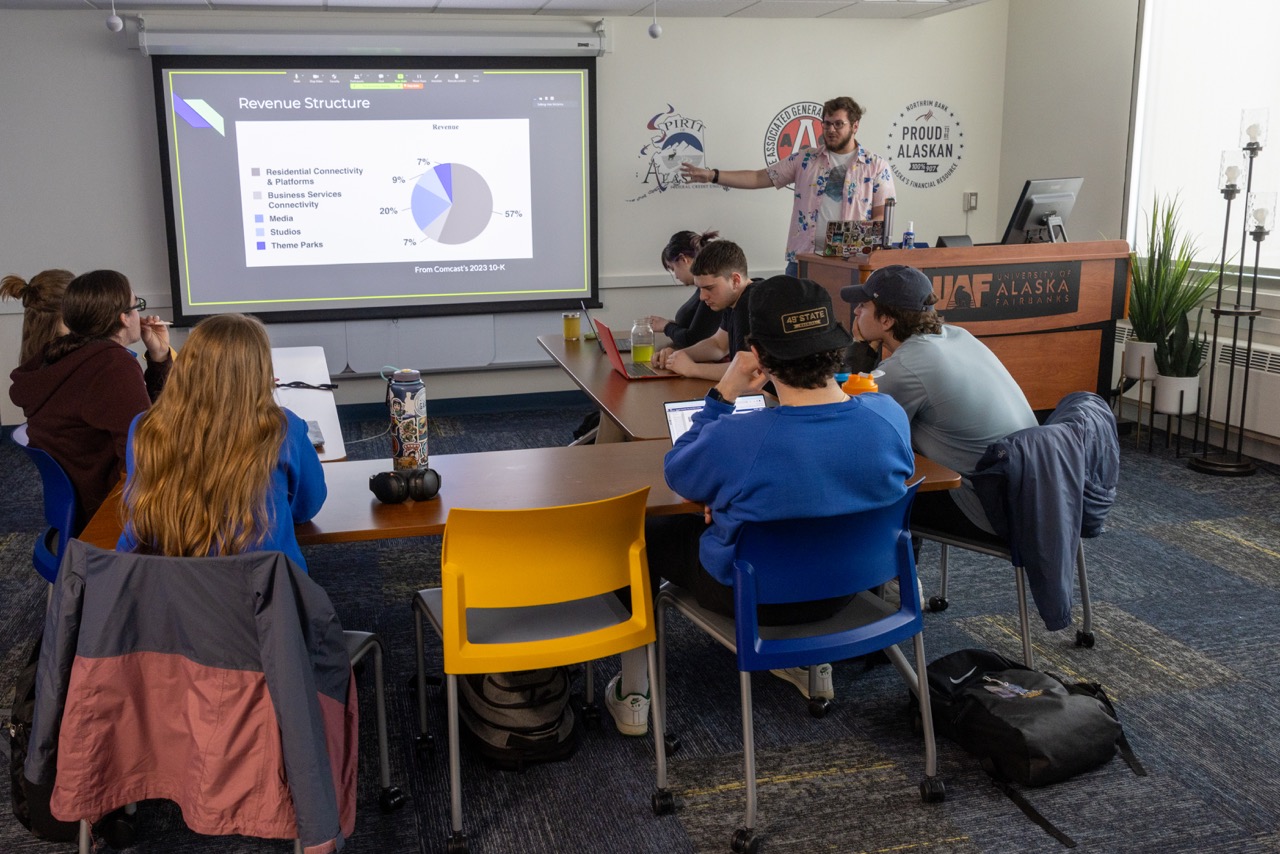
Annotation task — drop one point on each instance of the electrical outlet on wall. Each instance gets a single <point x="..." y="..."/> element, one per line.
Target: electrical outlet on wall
<point x="970" y="201"/>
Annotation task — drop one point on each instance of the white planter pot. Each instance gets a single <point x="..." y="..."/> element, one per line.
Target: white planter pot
<point x="1140" y="360"/>
<point x="1171" y="390"/>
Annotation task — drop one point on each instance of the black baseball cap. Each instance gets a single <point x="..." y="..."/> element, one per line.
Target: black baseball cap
<point x="792" y="318"/>
<point x="897" y="285"/>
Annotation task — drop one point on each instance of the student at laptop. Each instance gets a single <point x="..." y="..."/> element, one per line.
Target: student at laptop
<point x="797" y="460"/>
<point x="694" y="320"/>
<point x="720" y="274"/>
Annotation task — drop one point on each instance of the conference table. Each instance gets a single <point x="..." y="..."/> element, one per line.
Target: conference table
<point x="533" y="477"/>
<point x="630" y="410"/>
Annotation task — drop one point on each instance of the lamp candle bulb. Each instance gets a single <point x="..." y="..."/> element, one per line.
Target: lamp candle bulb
<point x="1253" y="131"/>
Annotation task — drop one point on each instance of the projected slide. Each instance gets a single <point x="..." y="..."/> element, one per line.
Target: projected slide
<point x="377" y="187"/>
<point x="358" y="193"/>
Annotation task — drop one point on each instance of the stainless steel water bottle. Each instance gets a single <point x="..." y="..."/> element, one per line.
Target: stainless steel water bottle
<point x="407" y="404"/>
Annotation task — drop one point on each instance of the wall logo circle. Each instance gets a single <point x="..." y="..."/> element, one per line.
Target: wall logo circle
<point x="794" y="127"/>
<point x="926" y="144"/>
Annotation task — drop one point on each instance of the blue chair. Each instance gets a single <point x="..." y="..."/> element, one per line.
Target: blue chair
<point x="61" y="510"/>
<point x="800" y="560"/>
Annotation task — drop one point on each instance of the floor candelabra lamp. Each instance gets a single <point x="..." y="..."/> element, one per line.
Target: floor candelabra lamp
<point x="1260" y="213"/>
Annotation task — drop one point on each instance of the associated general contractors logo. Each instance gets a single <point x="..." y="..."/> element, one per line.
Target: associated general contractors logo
<point x="795" y="127"/>
<point x="1006" y="291"/>
<point x="674" y="139"/>
<point x="925" y="144"/>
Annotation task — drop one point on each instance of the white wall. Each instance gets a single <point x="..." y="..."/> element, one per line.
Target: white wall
<point x="81" y="172"/>
<point x="1067" y="94"/>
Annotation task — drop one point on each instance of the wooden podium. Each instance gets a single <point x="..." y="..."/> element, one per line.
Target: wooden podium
<point x="1047" y="310"/>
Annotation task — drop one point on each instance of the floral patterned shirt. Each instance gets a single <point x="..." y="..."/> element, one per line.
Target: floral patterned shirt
<point x="867" y="184"/>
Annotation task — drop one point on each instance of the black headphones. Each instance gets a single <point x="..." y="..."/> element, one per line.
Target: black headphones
<point x="393" y="487"/>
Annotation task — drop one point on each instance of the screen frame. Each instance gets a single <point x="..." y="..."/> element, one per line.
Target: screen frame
<point x="1041" y="197"/>
<point x="160" y="63"/>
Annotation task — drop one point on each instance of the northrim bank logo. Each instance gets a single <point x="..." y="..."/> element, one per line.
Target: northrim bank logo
<point x="673" y="139"/>
<point x="793" y="128"/>
<point x="926" y="144"/>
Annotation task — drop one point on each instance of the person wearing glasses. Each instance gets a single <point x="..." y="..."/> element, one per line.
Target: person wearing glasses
<point x="80" y="395"/>
<point x="836" y="181"/>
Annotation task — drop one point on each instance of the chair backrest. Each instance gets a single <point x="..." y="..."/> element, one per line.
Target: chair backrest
<point x="173" y="655"/>
<point x="61" y="509"/>
<point x="799" y="560"/>
<point x="543" y="557"/>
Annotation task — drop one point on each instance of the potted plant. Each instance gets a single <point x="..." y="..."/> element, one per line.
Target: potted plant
<point x="1164" y="287"/>
<point x="1179" y="359"/>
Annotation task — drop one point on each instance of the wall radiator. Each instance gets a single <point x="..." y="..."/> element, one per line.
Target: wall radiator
<point x="1263" y="415"/>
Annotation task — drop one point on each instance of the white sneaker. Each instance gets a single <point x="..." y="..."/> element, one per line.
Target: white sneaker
<point x="630" y="713"/>
<point x="799" y="677"/>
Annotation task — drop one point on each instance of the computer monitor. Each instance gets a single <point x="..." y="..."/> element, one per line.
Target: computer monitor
<point x="1040" y="216"/>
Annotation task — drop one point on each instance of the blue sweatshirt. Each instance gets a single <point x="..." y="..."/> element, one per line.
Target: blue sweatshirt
<point x="296" y="493"/>
<point x="786" y="463"/>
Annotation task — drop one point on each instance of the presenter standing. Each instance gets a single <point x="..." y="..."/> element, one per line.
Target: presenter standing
<point x="836" y="181"/>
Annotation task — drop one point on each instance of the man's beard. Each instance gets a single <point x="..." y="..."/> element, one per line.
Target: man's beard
<point x="843" y="143"/>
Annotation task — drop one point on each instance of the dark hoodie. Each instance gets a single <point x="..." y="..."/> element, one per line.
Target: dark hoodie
<point x="78" y="410"/>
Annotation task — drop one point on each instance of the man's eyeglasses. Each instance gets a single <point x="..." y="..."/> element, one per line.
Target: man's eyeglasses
<point x="140" y="305"/>
<point x="835" y="125"/>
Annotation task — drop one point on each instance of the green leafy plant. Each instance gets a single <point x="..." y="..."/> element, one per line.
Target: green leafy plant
<point x="1165" y="287"/>
<point x="1182" y="354"/>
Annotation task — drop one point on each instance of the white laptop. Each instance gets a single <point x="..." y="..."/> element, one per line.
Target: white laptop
<point x="680" y="412"/>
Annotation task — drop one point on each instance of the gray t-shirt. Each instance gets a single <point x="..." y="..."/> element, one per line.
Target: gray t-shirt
<point x="959" y="399"/>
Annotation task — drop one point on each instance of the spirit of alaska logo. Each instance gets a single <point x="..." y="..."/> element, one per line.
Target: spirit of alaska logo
<point x="926" y="144"/>
<point x="674" y="139"/>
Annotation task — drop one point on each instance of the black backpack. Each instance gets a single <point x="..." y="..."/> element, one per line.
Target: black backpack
<point x="31" y="802"/>
<point x="520" y="718"/>
<point x="1025" y="726"/>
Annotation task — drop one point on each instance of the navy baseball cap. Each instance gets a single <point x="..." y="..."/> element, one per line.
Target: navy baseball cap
<point x="897" y="285"/>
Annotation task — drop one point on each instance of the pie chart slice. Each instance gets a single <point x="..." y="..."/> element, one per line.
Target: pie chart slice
<point x="452" y="203"/>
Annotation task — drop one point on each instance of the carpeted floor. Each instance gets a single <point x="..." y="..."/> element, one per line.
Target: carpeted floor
<point x="1186" y="588"/>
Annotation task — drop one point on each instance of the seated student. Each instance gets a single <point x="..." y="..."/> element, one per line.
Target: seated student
<point x="958" y="395"/>
<point x="41" y="308"/>
<point x="793" y="461"/>
<point x="720" y="274"/>
<point x="81" y="394"/>
<point x="694" y="320"/>
<point x="217" y="467"/>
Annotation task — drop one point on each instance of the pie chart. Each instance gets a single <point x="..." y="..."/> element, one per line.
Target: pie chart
<point x="451" y="203"/>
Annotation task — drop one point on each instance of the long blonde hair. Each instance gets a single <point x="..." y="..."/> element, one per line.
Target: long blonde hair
<point x="205" y="451"/>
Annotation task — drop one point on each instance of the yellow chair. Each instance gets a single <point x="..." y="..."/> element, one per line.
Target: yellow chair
<point x="526" y="589"/>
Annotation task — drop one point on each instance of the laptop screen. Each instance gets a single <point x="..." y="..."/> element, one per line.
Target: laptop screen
<point x="680" y="412"/>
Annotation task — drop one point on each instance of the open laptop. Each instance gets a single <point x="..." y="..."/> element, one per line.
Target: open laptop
<point x="680" y="412"/>
<point x="624" y="344"/>
<point x="627" y="368"/>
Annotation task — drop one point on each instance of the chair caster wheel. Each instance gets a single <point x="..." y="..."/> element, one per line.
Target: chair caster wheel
<point x="664" y="803"/>
<point x="932" y="790"/>
<point x="457" y="844"/>
<point x="591" y="717"/>
<point x="1084" y="639"/>
<point x="745" y="841"/>
<point x="938" y="603"/>
<point x="117" y="830"/>
<point x="671" y="743"/>
<point x="425" y="743"/>
<point x="819" y="708"/>
<point x="391" y="799"/>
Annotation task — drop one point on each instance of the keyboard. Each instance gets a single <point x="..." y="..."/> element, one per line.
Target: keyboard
<point x="635" y="369"/>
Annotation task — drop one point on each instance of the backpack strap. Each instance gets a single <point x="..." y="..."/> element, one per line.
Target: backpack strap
<point x="1122" y="743"/>
<point x="1023" y="804"/>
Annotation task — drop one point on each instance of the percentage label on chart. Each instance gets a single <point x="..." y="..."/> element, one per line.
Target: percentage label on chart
<point x="510" y="214"/>
<point x="387" y="211"/>
<point x="423" y="161"/>
<point x="408" y="241"/>
<point x="396" y="179"/>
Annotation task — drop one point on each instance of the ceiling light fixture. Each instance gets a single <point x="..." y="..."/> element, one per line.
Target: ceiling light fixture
<point x="115" y="23"/>
<point x="655" y="29"/>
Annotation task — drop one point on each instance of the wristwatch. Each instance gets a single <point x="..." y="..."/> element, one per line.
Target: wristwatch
<point x="715" y="395"/>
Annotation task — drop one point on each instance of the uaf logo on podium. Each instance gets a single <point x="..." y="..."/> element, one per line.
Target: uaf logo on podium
<point x="925" y="144"/>
<point x="793" y="128"/>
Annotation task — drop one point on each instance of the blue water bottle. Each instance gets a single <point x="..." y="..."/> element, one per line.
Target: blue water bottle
<point x="407" y="404"/>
